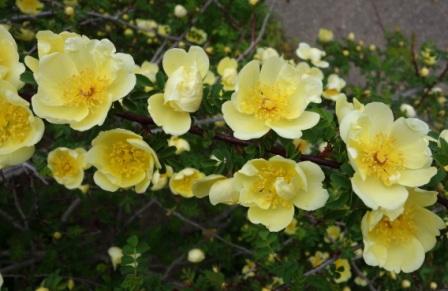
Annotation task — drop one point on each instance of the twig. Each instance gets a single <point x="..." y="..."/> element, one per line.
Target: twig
<point x="260" y="35"/>
<point x="11" y="220"/>
<point x="145" y="121"/>
<point x="35" y="172"/>
<point x="19" y="208"/>
<point x="20" y="265"/>
<point x="27" y="17"/>
<point x="75" y="203"/>
<point x="203" y="229"/>
<point x="139" y="212"/>
<point x="321" y="266"/>
<point x="378" y="16"/>
<point x="414" y="55"/>
<point x="360" y="274"/>
<point x="173" y="264"/>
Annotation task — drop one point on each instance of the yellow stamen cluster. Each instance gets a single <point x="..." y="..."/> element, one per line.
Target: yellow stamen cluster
<point x="86" y="88"/>
<point x="64" y="165"/>
<point x="128" y="160"/>
<point x="265" y="185"/>
<point x="268" y="102"/>
<point x="14" y="123"/>
<point x="379" y="157"/>
<point x="397" y="230"/>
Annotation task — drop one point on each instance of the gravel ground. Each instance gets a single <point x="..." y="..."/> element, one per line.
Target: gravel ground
<point x="428" y="19"/>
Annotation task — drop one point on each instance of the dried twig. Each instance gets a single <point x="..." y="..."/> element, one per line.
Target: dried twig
<point x="75" y="203"/>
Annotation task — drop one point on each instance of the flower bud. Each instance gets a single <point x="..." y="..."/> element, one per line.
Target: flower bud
<point x="196" y="256"/>
<point x="180" y="11"/>
<point x="115" y="254"/>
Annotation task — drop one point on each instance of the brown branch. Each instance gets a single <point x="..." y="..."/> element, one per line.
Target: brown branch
<point x="414" y="55"/>
<point x="146" y="121"/>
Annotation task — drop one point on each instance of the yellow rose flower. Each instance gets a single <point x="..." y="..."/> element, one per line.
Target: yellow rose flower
<point x="332" y="233"/>
<point x="318" y="258"/>
<point x="183" y="90"/>
<point x="20" y="130"/>
<point x="314" y="55"/>
<point x="210" y="78"/>
<point x="387" y="155"/>
<point x="159" y="180"/>
<point x="31" y="7"/>
<point x="306" y="70"/>
<point x="67" y="166"/>
<point x="274" y="97"/>
<point x="334" y="86"/>
<point x="227" y="69"/>
<point x="264" y="53"/>
<point x="196" y="36"/>
<point x="344" y="274"/>
<point x="325" y="35"/>
<point x="123" y="160"/>
<point x="181" y="183"/>
<point x="271" y="189"/>
<point x="180" y="144"/>
<point x="10" y="67"/>
<point x="149" y="70"/>
<point x="398" y="240"/>
<point x="79" y="85"/>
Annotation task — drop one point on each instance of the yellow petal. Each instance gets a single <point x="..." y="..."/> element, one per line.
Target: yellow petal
<point x="173" y="122"/>
<point x="17" y="157"/>
<point x="103" y="182"/>
<point x="223" y="191"/>
<point x="293" y="128"/>
<point x="201" y="188"/>
<point x="274" y="219"/>
<point x="244" y="126"/>
<point x="375" y="194"/>
<point x="416" y="178"/>
<point x="173" y="59"/>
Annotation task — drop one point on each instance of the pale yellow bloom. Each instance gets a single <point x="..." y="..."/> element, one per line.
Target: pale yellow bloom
<point x="433" y="285"/>
<point x="292" y="227"/>
<point x="264" y="53"/>
<point x="196" y="256"/>
<point x="335" y="84"/>
<point x="344" y="274"/>
<point x="20" y="130"/>
<point x="351" y="36"/>
<point x="253" y="2"/>
<point x="444" y="135"/>
<point x="163" y="30"/>
<point x="116" y="255"/>
<point x="179" y="143"/>
<point x="219" y="189"/>
<point x="325" y="35"/>
<point x="67" y="166"/>
<point x="302" y="145"/>
<point x="10" y="67"/>
<point x="123" y="160"/>
<point x="159" y="181"/>
<point x="408" y="110"/>
<point x="318" y="258"/>
<point x="26" y="34"/>
<point x="147" y="26"/>
<point x="31" y="7"/>
<point x="424" y="72"/>
<point x="210" y="78"/>
<point x="274" y="97"/>
<point x="405" y="284"/>
<point x="271" y="189"/>
<point x="428" y="57"/>
<point x="306" y="70"/>
<point x="181" y="183"/>
<point x="78" y="85"/>
<point x="314" y="55"/>
<point x="398" y="240"/>
<point x="387" y="155"/>
<point x="183" y="90"/>
<point x="69" y="11"/>
<point x="42" y="289"/>
<point x="149" y="70"/>
<point x="180" y="11"/>
<point x="196" y="36"/>
<point x="333" y="233"/>
<point x="249" y="269"/>
<point x="227" y="69"/>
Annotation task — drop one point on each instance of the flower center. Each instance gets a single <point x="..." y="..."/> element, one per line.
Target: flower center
<point x="63" y="165"/>
<point x="265" y="185"/>
<point x="268" y="102"/>
<point x="380" y="157"/>
<point x="86" y="89"/>
<point x="14" y="123"/>
<point x="398" y="230"/>
<point x="128" y="160"/>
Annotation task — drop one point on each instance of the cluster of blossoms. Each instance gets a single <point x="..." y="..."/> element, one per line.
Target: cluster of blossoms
<point x="79" y="79"/>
